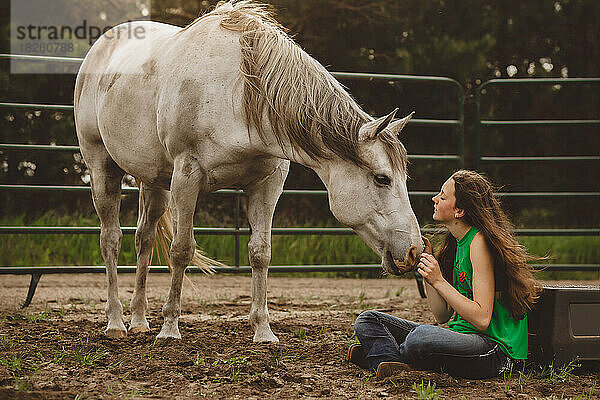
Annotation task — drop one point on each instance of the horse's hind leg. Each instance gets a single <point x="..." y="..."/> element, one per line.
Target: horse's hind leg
<point x="186" y="184"/>
<point x="262" y="200"/>
<point x="106" y="179"/>
<point x="152" y="205"/>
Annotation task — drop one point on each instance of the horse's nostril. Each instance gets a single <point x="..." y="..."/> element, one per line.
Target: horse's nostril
<point x="411" y="257"/>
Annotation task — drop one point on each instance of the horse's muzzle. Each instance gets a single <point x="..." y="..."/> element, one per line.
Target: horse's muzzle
<point x="410" y="261"/>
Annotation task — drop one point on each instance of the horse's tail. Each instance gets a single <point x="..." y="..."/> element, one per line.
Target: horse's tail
<point x="164" y="237"/>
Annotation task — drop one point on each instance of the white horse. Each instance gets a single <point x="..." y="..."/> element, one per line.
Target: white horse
<point x="228" y="101"/>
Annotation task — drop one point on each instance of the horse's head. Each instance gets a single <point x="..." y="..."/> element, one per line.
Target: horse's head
<point x="373" y="199"/>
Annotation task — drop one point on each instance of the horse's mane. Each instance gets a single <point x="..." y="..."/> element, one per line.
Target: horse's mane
<point x="305" y="105"/>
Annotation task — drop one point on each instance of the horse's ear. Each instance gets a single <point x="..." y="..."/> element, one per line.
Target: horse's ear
<point x="371" y="129"/>
<point x="398" y="125"/>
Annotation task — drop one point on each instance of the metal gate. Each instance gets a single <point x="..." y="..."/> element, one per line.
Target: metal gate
<point x="238" y="229"/>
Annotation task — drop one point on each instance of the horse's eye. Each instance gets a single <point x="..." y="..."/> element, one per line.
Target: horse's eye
<point x="382" y="180"/>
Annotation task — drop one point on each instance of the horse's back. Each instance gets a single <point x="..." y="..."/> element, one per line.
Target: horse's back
<point x="173" y="92"/>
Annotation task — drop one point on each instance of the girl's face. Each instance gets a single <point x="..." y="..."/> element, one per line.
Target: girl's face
<point x="444" y="203"/>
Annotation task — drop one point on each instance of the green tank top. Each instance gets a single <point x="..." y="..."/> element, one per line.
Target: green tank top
<point x="510" y="334"/>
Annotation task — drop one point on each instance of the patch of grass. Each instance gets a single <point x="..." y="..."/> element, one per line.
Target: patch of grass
<point x="348" y="334"/>
<point x="116" y="364"/>
<point x="136" y="393"/>
<point x="353" y="340"/>
<point x="564" y="250"/>
<point x="84" y="354"/>
<point x="279" y="356"/>
<point x="589" y="394"/>
<point x="199" y="361"/>
<point x="560" y="374"/>
<point x="321" y="331"/>
<point x="300" y="333"/>
<point x="524" y="377"/>
<point x="361" y="296"/>
<point x="23" y="384"/>
<point x="61" y="311"/>
<point x="58" y="356"/>
<point x="507" y="376"/>
<point x="6" y="342"/>
<point x="49" y="249"/>
<point x="44" y="315"/>
<point x="13" y="363"/>
<point x="329" y="309"/>
<point x="361" y="300"/>
<point x="366" y="378"/>
<point x="124" y="377"/>
<point x="202" y="302"/>
<point x="88" y="301"/>
<point x="428" y="392"/>
<point x="236" y="365"/>
<point x="400" y="291"/>
<point x="148" y="355"/>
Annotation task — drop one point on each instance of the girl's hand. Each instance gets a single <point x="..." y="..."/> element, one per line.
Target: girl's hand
<point x="429" y="269"/>
<point x="427" y="245"/>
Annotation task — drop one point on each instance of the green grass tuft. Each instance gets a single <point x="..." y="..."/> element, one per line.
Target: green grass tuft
<point x="428" y="392"/>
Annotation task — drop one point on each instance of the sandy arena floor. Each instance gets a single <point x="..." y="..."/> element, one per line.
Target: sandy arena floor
<point x="55" y="349"/>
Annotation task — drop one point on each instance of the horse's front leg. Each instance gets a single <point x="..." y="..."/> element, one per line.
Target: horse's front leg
<point x="262" y="200"/>
<point x="185" y="186"/>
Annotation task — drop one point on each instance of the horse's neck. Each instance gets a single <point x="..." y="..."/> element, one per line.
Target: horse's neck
<point x="287" y="151"/>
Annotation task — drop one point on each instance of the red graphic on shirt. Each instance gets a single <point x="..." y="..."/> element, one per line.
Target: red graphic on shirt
<point x="462" y="276"/>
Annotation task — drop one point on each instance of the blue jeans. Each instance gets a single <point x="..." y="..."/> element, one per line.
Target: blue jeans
<point x="388" y="338"/>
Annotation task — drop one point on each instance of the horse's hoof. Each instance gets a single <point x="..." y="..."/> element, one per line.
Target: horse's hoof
<point x="265" y="338"/>
<point x="116" y="333"/>
<point x="167" y="337"/>
<point x="138" y="329"/>
<point x="169" y="334"/>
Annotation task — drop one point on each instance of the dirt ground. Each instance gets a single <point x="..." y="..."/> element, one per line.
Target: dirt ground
<point x="55" y="349"/>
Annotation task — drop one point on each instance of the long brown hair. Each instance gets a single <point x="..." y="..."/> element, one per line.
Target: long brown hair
<point x="513" y="275"/>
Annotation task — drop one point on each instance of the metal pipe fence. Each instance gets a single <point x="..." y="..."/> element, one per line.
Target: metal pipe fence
<point x="481" y="159"/>
<point x="479" y="123"/>
<point x="237" y="231"/>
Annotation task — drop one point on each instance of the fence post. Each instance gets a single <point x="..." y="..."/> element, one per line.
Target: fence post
<point x="238" y="197"/>
<point x="461" y="127"/>
<point x="478" y="127"/>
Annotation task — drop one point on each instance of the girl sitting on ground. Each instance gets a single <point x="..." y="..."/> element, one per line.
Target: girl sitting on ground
<point x="481" y="276"/>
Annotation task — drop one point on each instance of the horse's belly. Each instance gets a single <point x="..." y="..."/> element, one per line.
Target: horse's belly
<point x="138" y="153"/>
<point x="145" y="167"/>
